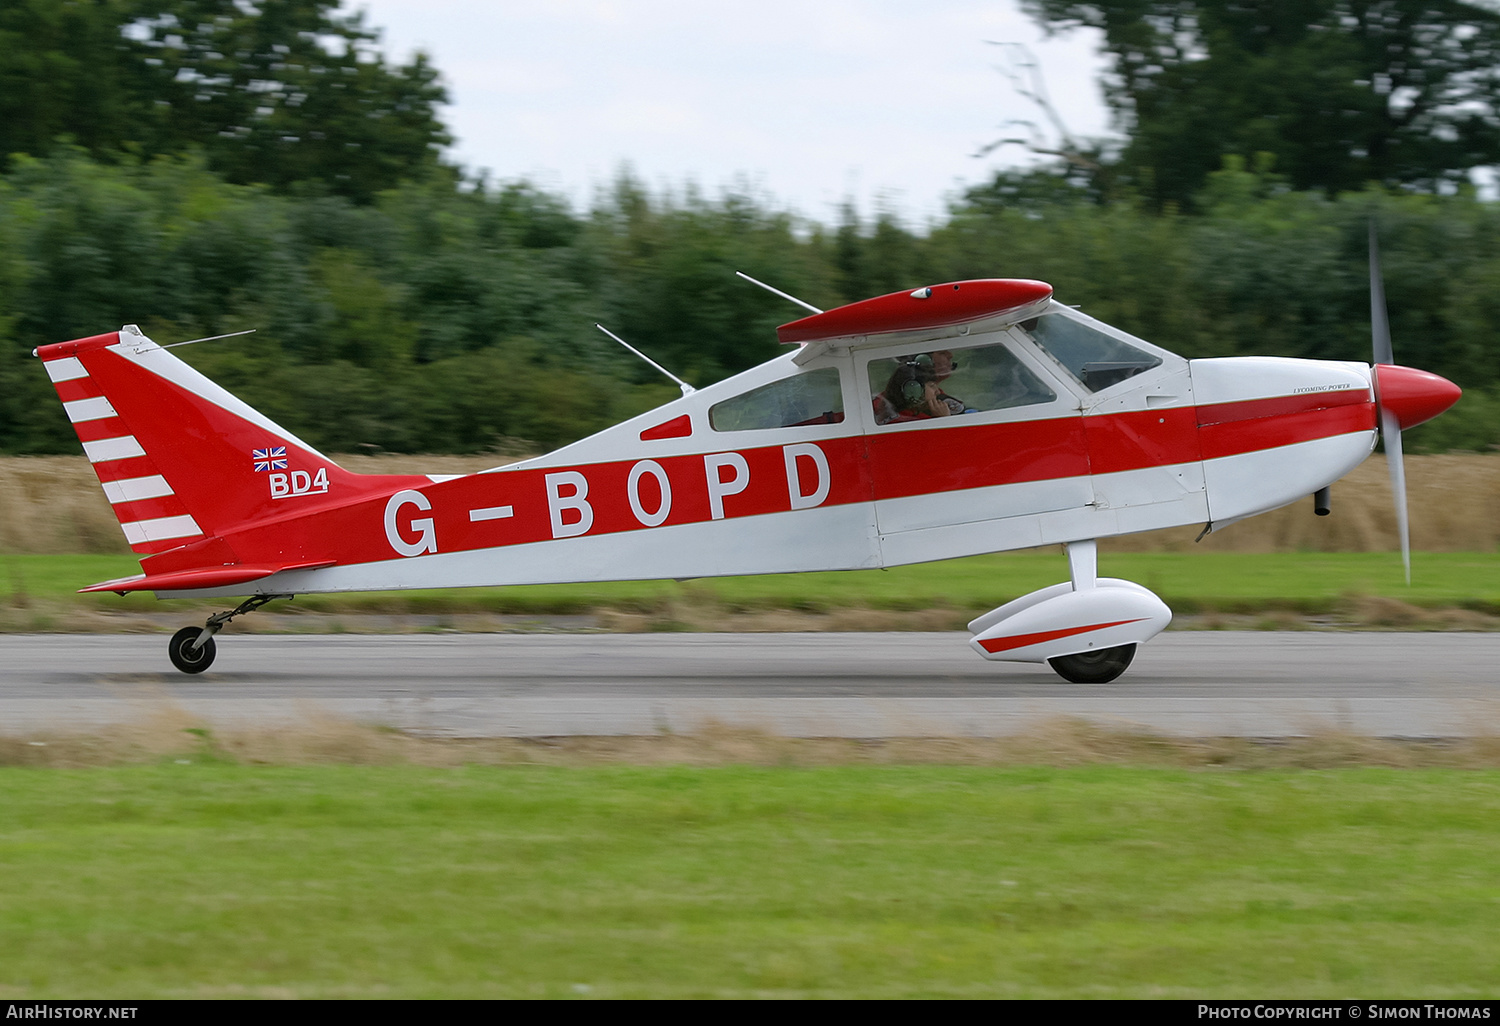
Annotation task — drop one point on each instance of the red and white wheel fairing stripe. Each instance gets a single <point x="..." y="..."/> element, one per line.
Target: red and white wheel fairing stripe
<point x="1009" y="644"/>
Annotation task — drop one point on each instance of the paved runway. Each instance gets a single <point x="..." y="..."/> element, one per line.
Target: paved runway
<point x="850" y="685"/>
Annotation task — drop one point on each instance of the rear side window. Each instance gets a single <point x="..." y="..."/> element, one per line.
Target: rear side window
<point x="813" y="397"/>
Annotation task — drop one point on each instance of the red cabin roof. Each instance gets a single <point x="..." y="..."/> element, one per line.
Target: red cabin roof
<point x="938" y="306"/>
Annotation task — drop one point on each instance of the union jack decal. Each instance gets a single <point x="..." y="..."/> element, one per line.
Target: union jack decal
<point x="273" y="458"/>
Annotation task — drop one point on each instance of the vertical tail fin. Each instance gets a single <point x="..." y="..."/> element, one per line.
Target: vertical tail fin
<point x="180" y="458"/>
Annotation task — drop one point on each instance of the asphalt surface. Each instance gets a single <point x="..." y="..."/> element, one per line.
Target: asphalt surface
<point x="1256" y="684"/>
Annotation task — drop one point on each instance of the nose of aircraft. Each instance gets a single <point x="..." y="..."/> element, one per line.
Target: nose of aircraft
<point x="1412" y="395"/>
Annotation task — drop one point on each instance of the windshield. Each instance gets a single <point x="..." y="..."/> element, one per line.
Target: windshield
<point x="1094" y="358"/>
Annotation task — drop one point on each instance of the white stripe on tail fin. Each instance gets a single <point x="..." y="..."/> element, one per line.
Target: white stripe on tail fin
<point x="182" y="461"/>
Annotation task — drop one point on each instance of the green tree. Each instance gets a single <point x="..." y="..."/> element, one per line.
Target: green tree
<point x="272" y="91"/>
<point x="64" y="71"/>
<point x="1339" y="92"/>
<point x="283" y="91"/>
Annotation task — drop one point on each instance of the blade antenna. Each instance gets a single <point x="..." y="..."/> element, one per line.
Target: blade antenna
<point x="1390" y="425"/>
<point x="783" y="295"/>
<point x="686" y="388"/>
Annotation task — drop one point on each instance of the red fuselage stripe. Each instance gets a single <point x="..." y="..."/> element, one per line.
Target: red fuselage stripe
<point x="1281" y="405"/>
<point x="1233" y="438"/>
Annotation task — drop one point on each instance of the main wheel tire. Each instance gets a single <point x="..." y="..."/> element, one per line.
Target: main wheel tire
<point x="1099" y="667"/>
<point x="180" y="649"/>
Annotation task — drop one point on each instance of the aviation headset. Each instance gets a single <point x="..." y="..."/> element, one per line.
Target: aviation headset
<point x="922" y="371"/>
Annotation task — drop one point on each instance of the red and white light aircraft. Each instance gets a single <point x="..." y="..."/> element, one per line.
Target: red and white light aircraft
<point x="968" y="417"/>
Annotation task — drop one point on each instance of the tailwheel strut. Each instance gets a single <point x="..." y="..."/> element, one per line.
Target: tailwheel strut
<point x="192" y="649"/>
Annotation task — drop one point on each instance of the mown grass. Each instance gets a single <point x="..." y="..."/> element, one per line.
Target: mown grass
<point x="1191" y="582"/>
<point x="211" y="879"/>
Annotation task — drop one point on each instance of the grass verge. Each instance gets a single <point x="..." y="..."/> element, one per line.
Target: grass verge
<point x="208" y="878"/>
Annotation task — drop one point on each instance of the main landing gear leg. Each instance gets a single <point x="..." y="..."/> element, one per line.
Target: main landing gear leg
<point x="1103" y="665"/>
<point x="192" y="648"/>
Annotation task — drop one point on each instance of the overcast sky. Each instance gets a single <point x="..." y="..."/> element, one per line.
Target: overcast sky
<point x="811" y="102"/>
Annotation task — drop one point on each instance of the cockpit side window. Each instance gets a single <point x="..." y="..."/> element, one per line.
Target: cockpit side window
<point x="943" y="383"/>
<point x="1097" y="360"/>
<point x="812" y="397"/>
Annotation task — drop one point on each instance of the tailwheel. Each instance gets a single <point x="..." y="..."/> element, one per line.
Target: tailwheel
<point x="1099" y="667"/>
<point x="190" y="655"/>
<point x="185" y="656"/>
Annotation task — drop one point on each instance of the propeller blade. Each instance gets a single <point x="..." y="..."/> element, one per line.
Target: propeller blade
<point x="1390" y="433"/>
<point x="1380" y="325"/>
<point x="1390" y="423"/>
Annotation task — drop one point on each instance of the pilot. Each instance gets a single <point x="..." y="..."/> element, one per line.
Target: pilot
<point x="912" y="393"/>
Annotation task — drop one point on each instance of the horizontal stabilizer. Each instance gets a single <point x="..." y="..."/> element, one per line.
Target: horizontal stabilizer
<point x="205" y="577"/>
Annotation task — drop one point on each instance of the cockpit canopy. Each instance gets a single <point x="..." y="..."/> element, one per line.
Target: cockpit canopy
<point x="1094" y="358"/>
<point x="1030" y="363"/>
